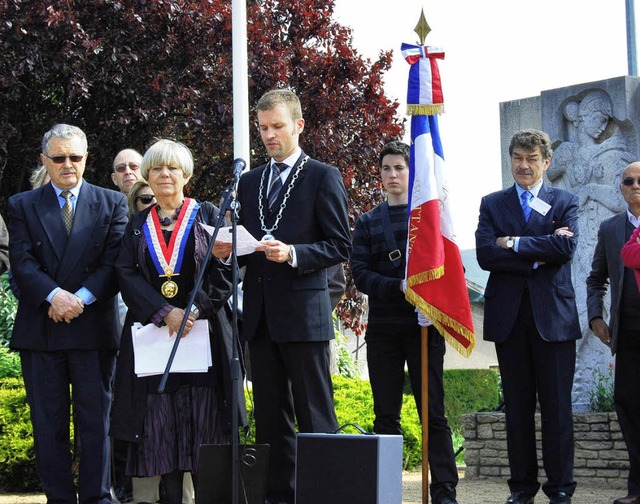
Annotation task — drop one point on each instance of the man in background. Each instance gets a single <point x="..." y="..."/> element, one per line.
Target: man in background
<point x="126" y="169"/>
<point x="393" y="336"/>
<point x="526" y="238"/>
<point x="65" y="238"/>
<point x="622" y="333"/>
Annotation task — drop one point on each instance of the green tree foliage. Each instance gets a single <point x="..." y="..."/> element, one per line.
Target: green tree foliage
<point x="126" y="71"/>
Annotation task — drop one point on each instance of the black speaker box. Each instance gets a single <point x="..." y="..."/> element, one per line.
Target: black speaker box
<point x="345" y="468"/>
<point x="214" y="474"/>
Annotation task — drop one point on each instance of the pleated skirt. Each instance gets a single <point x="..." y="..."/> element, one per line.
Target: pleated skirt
<point x="175" y="426"/>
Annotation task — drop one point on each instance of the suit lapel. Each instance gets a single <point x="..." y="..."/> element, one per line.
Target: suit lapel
<point x="512" y="202"/>
<point x="47" y="208"/>
<point x="619" y="239"/>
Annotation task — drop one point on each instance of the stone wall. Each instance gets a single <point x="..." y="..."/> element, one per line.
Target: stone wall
<point x="600" y="451"/>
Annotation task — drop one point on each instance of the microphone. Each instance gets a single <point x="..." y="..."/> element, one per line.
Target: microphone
<point x="239" y="165"/>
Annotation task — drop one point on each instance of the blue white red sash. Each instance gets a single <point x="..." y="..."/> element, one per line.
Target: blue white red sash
<point x="168" y="258"/>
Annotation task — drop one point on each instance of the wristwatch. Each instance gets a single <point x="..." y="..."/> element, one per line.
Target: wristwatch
<point x="195" y="311"/>
<point x="511" y="242"/>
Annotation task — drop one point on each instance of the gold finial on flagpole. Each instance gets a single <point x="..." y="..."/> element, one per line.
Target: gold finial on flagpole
<point x="422" y="28"/>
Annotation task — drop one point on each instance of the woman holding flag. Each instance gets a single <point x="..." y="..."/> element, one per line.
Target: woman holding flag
<point x="162" y="252"/>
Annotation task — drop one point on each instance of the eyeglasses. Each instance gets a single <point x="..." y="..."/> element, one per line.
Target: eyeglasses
<point x="145" y="198"/>
<point x="123" y="166"/>
<point x="75" y="158"/>
<point x="630" y="181"/>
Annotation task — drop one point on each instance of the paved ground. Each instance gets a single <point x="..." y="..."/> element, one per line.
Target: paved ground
<point x="483" y="491"/>
<point x="470" y="491"/>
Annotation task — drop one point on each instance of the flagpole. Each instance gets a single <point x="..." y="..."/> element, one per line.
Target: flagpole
<point x="241" y="151"/>
<point x="425" y="414"/>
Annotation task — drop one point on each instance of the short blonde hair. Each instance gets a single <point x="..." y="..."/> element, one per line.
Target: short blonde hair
<point x="167" y="152"/>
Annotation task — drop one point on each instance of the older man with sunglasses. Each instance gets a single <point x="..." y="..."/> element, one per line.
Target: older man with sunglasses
<point x="64" y="241"/>
<point x="622" y="332"/>
<point x="126" y="169"/>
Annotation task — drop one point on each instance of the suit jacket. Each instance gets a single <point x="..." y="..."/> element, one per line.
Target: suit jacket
<point x="315" y="222"/>
<point x="549" y="285"/>
<point x="607" y="270"/>
<point x="44" y="257"/>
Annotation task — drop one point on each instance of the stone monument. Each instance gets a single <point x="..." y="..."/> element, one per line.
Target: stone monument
<point x="594" y="138"/>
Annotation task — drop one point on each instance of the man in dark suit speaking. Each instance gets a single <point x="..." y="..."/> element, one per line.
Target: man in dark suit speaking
<point x="526" y="238"/>
<point x="297" y="207"/>
<point x="64" y="240"/>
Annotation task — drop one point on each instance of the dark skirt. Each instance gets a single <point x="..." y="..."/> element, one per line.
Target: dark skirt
<point x="175" y="426"/>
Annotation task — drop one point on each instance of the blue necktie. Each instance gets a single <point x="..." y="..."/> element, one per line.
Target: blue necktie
<point x="276" y="182"/>
<point x="526" y="197"/>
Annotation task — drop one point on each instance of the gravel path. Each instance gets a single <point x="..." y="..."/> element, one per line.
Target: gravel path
<point x="470" y="491"/>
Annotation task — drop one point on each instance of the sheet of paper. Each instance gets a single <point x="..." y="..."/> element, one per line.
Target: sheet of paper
<point x="152" y="348"/>
<point x="246" y="243"/>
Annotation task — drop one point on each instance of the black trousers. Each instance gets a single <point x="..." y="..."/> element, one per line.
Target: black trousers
<point x="627" y="384"/>
<point x="291" y="383"/>
<point x="388" y="349"/>
<point x="47" y="376"/>
<point x="529" y="366"/>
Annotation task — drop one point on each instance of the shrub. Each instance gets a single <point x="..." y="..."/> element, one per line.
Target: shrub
<point x="17" y="464"/>
<point x="9" y="364"/>
<point x="601" y="396"/>
<point x="354" y="405"/>
<point x="8" y="308"/>
<point x="469" y="391"/>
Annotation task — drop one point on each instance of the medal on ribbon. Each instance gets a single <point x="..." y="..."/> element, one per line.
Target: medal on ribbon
<point x="168" y="258"/>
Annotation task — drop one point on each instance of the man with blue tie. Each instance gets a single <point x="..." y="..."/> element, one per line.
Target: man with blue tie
<point x="526" y="238"/>
<point x="64" y="241"/>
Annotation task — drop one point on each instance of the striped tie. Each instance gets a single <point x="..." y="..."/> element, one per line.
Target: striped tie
<point x="67" y="210"/>
<point x="526" y="209"/>
<point x="276" y="182"/>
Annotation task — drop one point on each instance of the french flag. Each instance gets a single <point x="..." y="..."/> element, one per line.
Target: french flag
<point x="435" y="274"/>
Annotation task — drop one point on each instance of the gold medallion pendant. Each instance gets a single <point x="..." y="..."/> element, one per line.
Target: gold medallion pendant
<point x="169" y="289"/>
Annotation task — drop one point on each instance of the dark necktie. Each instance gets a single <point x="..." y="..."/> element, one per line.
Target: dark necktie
<point x="526" y="197"/>
<point x="276" y="182"/>
<point x="67" y="210"/>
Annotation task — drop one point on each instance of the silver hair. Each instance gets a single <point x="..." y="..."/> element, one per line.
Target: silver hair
<point x="64" y="131"/>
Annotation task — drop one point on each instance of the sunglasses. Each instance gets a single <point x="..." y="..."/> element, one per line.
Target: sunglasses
<point x="123" y="166"/>
<point x="145" y="198"/>
<point x="630" y="181"/>
<point x="61" y="159"/>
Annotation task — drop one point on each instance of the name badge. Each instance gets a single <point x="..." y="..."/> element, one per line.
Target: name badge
<point x="540" y="206"/>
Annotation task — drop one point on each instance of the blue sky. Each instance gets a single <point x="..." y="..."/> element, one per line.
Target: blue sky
<point x="496" y="51"/>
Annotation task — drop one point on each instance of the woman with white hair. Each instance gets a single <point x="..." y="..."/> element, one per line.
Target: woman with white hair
<point x="163" y="249"/>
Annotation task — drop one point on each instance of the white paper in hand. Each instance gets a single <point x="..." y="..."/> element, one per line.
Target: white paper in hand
<point x="246" y="243"/>
<point x="152" y="347"/>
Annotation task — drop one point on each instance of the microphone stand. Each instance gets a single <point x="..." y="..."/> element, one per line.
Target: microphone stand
<point x="228" y="205"/>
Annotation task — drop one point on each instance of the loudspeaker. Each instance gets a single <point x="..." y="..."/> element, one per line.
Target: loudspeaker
<point x="341" y="468"/>
<point x="214" y="474"/>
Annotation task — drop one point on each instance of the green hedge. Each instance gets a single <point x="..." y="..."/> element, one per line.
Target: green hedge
<point x="17" y="467"/>
<point x="8" y="308"/>
<point x="466" y="391"/>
